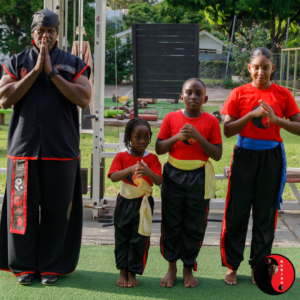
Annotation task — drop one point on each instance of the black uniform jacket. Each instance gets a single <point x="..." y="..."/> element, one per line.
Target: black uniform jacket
<point x="44" y="119"/>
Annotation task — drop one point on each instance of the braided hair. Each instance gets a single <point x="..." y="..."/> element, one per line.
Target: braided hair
<point x="266" y="53"/>
<point x="130" y="127"/>
<point x="190" y="79"/>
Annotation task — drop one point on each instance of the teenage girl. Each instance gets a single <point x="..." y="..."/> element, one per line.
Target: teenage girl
<point x="131" y="247"/>
<point x="256" y="112"/>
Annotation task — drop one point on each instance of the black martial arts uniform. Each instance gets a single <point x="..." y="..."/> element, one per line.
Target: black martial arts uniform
<point x="42" y="171"/>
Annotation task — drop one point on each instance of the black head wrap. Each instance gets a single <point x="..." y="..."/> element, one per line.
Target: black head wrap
<point x="44" y="18"/>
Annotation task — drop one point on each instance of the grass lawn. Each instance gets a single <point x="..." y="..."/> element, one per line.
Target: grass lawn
<point x="292" y="147"/>
<point x="211" y="81"/>
<point x="96" y="275"/>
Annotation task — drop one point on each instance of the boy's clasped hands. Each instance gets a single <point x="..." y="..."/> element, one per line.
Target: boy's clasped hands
<point x="188" y="131"/>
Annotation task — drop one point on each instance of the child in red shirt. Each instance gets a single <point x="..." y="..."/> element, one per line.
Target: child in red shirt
<point x="131" y="248"/>
<point x="190" y="136"/>
<point x="255" y="112"/>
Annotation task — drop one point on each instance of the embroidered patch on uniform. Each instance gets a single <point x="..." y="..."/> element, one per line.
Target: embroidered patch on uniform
<point x="65" y="68"/>
<point x="19" y="196"/>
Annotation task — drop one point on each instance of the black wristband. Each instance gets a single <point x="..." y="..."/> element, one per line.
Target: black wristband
<point x="54" y="72"/>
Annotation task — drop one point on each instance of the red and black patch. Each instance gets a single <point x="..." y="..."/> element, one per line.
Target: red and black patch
<point x="19" y="196"/>
<point x="189" y="142"/>
<point x="263" y="122"/>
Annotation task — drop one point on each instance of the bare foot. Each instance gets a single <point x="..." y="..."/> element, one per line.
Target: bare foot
<point x="132" y="281"/>
<point x="188" y="278"/>
<point x="170" y="277"/>
<point x="123" y="279"/>
<point x="252" y="275"/>
<point x="230" y="277"/>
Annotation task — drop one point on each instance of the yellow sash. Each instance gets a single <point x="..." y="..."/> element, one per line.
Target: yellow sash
<point x="189" y="165"/>
<point x="143" y="188"/>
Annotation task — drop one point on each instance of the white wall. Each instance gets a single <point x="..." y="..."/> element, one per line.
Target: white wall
<point x="205" y="42"/>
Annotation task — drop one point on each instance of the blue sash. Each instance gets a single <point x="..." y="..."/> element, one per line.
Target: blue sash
<point x="253" y="144"/>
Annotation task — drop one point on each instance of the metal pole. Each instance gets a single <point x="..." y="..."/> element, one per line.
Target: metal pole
<point x="61" y="20"/>
<point x="80" y="25"/>
<point x="229" y="51"/>
<point x="99" y="77"/>
<point x="286" y="40"/>
<point x="74" y="19"/>
<point x="66" y="25"/>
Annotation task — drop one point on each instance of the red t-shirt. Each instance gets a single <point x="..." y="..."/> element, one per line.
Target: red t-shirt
<point x="124" y="160"/>
<point x="244" y="99"/>
<point x="206" y="124"/>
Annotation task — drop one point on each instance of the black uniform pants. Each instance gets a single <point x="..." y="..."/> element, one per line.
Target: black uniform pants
<point x="254" y="183"/>
<point x="184" y="214"/>
<point x="50" y="244"/>
<point x="131" y="248"/>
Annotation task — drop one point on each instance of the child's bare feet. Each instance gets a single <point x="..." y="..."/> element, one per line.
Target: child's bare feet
<point x="252" y="275"/>
<point x="170" y="277"/>
<point x="188" y="278"/>
<point x="230" y="277"/>
<point x="123" y="279"/>
<point x="132" y="281"/>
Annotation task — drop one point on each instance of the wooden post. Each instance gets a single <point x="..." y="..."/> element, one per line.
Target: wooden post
<point x="288" y="69"/>
<point x="281" y="67"/>
<point x="295" y="72"/>
<point x="134" y="74"/>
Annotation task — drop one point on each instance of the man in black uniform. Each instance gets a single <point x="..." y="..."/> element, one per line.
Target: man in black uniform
<point x="45" y="85"/>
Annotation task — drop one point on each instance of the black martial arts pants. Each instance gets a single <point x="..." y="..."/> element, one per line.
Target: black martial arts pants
<point x="131" y="248"/>
<point x="254" y="183"/>
<point x="46" y="244"/>
<point x="184" y="215"/>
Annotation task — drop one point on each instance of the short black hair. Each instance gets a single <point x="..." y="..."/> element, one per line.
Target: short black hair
<point x="266" y="53"/>
<point x="196" y="79"/>
<point x="130" y="127"/>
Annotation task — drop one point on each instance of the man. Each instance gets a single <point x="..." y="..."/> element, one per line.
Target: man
<point x="45" y="85"/>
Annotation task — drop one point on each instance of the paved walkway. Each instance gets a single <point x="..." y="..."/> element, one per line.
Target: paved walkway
<point x="287" y="232"/>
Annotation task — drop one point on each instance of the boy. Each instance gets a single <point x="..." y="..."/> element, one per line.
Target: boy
<point x="190" y="136"/>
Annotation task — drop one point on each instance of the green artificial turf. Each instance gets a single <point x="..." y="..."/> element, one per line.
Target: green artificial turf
<point x="96" y="275"/>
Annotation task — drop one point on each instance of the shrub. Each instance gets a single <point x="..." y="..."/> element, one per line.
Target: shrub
<point x="229" y="84"/>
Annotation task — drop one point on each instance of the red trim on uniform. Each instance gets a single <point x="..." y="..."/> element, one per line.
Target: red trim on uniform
<point x="222" y="242"/>
<point x="79" y="73"/>
<point x="60" y="159"/>
<point x="9" y="73"/>
<point x="24" y="200"/>
<point x="162" y="235"/>
<point x="23" y="273"/>
<point x="276" y="218"/>
<point x="145" y="255"/>
<point x="195" y="267"/>
<point x="21" y="157"/>
<point x="50" y="273"/>
<point x="7" y="270"/>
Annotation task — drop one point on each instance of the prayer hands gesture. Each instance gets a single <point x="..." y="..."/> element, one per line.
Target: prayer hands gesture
<point x="268" y="111"/>
<point x="142" y="169"/>
<point x="189" y="131"/>
<point x="44" y="61"/>
<point x="258" y="112"/>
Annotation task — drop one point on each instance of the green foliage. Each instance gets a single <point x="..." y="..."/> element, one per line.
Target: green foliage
<point x="229" y="84"/>
<point x="124" y="58"/>
<point x="15" y="19"/>
<point x="163" y="13"/>
<point x="215" y="69"/>
<point x="249" y="39"/>
<point x="124" y="4"/>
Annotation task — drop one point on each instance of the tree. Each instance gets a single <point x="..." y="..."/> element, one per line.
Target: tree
<point x="163" y="13"/>
<point x="124" y="4"/>
<point x="222" y="13"/>
<point x="15" y="20"/>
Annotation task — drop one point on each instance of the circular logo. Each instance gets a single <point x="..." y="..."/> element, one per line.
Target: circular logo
<point x="274" y="274"/>
<point x="262" y="122"/>
<point x="17" y="201"/>
<point x="189" y="141"/>
<point x="19" y="221"/>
